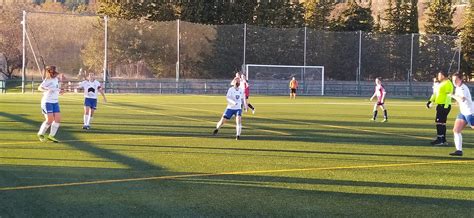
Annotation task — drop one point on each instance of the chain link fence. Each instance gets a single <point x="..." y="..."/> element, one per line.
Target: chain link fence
<point x="183" y="57"/>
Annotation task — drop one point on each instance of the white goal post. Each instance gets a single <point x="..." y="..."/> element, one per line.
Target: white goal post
<point x="313" y="69"/>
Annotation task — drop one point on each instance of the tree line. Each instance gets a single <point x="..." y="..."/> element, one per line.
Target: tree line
<point x="212" y="48"/>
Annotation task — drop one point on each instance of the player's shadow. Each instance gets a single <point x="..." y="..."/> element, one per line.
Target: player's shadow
<point x="65" y="133"/>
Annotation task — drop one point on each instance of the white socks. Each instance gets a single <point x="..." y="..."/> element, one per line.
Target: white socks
<point x="238" y="129"/>
<point x="458" y="141"/>
<point x="54" y="129"/>
<point x="87" y="120"/>
<point x="44" y="127"/>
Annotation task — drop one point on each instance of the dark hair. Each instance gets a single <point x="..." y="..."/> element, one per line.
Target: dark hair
<point x="445" y="74"/>
<point x="50" y="72"/>
<point x="458" y="75"/>
<point x="379" y="78"/>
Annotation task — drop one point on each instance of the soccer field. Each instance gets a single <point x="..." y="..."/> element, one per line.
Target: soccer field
<point x="154" y="155"/>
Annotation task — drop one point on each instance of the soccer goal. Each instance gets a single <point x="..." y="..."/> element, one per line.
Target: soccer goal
<point x="274" y="79"/>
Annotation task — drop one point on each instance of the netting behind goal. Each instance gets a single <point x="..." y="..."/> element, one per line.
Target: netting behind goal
<point x="274" y="79"/>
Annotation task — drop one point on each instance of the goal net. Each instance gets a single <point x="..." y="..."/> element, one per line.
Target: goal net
<point x="274" y="79"/>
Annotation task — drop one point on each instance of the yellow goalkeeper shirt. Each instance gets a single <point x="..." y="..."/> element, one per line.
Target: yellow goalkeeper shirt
<point x="445" y="88"/>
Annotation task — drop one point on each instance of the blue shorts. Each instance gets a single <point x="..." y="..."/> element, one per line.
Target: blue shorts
<point x="469" y="119"/>
<point x="48" y="108"/>
<point x="91" y="102"/>
<point x="229" y="113"/>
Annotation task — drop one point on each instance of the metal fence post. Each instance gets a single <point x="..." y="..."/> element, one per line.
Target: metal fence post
<point x="360" y="64"/>
<point x="245" y="51"/>
<point x="410" y="73"/>
<point x="304" y="60"/>
<point x="177" y="49"/>
<point x="106" y="20"/>
<point x="23" y="67"/>
<point x="459" y="58"/>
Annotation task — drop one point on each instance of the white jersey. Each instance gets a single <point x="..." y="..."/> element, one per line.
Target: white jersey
<point x="51" y="95"/>
<point x="465" y="106"/>
<point x="91" y="89"/>
<point x="235" y="98"/>
<point x="435" y="87"/>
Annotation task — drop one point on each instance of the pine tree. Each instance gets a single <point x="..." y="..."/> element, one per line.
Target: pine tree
<point x="467" y="42"/>
<point x="440" y="18"/>
<point x="357" y="18"/>
<point x="317" y="14"/>
<point x="401" y="17"/>
<point x="413" y="25"/>
<point x="436" y="46"/>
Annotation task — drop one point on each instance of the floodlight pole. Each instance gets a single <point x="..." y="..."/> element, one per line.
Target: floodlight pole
<point x="23" y="67"/>
<point x="106" y="20"/>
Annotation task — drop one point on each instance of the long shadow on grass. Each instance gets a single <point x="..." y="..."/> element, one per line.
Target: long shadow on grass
<point x="251" y="179"/>
<point x="66" y="133"/>
<point x="291" y="151"/>
<point x="135" y="106"/>
<point x="347" y="124"/>
<point x="228" y="195"/>
<point x="265" y="133"/>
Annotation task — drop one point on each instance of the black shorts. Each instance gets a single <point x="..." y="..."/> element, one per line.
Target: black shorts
<point x="442" y="113"/>
<point x="293" y="91"/>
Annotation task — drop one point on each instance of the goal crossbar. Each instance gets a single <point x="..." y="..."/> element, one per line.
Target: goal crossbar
<point x="288" y="66"/>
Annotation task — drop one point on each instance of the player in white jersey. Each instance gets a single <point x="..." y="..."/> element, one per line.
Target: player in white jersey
<point x="91" y="88"/>
<point x="380" y="94"/>
<point x="466" y="115"/>
<point x="50" y="104"/>
<point x="235" y="100"/>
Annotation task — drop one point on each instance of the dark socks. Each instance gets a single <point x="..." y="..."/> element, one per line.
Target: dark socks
<point x="441" y="132"/>
<point x="375" y="115"/>
<point x="251" y="106"/>
<point x="385" y="116"/>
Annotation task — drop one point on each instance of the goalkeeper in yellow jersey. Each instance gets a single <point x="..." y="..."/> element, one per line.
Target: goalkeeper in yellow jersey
<point x="442" y="100"/>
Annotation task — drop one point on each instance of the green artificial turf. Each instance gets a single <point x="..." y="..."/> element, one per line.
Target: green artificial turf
<point x="154" y="155"/>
